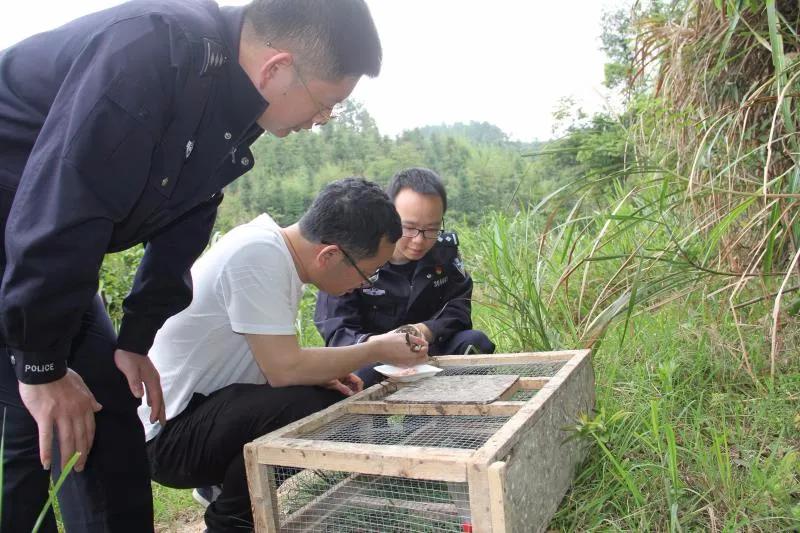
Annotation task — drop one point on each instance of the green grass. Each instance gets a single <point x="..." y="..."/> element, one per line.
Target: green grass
<point x="51" y="500"/>
<point x="174" y="507"/>
<point x="683" y="439"/>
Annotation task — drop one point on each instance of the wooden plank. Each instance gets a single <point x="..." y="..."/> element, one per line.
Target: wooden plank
<point x="263" y="494"/>
<point x="533" y="382"/>
<point x="480" y="507"/>
<point x="498" y="446"/>
<point x="454" y="389"/>
<point x="419" y="462"/>
<point x="497" y="490"/>
<point x="434" y="409"/>
<point x="505" y="358"/>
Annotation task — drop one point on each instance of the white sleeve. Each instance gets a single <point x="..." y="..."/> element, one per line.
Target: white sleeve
<point x="256" y="287"/>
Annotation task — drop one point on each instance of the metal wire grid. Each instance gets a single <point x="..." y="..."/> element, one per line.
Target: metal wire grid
<point x="545" y="368"/>
<point x="344" y="502"/>
<point x="523" y="395"/>
<point x="441" y="431"/>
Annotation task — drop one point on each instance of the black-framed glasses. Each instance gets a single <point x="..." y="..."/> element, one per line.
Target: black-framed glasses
<point x="430" y="234"/>
<point x="369" y="281"/>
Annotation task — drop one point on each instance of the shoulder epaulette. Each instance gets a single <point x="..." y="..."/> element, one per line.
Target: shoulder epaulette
<point x="449" y="238"/>
<point x="214" y="57"/>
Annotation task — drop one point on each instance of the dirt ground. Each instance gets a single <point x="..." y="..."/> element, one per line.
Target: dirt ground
<point x="190" y="521"/>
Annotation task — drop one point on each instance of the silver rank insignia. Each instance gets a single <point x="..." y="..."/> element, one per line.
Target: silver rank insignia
<point x="189" y="148"/>
<point x="449" y="238"/>
<point x="214" y="57"/>
<point x="459" y="264"/>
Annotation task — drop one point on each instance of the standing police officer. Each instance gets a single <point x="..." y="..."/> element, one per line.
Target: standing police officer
<point x="117" y="129"/>
<point x="424" y="284"/>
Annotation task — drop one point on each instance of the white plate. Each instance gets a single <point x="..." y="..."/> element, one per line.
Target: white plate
<point x="396" y="373"/>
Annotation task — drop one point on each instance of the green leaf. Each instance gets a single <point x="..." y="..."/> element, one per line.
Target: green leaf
<point x="52" y="492"/>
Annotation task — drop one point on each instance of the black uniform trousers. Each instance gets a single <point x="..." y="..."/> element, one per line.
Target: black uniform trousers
<point x="203" y="445"/>
<point x="455" y="345"/>
<point x="113" y="493"/>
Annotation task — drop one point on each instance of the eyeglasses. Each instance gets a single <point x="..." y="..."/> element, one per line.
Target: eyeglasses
<point x="431" y="234"/>
<point x="369" y="281"/>
<point x="327" y="113"/>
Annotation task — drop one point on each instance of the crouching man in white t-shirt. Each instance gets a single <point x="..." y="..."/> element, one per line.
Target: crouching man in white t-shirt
<point x="230" y="364"/>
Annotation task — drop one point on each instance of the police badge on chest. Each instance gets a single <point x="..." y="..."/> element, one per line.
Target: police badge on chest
<point x="373" y="291"/>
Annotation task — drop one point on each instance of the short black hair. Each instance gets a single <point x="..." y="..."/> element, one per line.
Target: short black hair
<point x="354" y="214"/>
<point x="333" y="39"/>
<point x="420" y="180"/>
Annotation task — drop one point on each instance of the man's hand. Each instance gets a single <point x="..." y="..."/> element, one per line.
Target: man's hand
<point x="418" y="330"/>
<point x="425" y="331"/>
<point x="68" y="404"/>
<point x="139" y="369"/>
<point x="392" y="348"/>
<point x="347" y="385"/>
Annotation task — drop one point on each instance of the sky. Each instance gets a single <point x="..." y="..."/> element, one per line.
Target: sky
<point x="445" y="61"/>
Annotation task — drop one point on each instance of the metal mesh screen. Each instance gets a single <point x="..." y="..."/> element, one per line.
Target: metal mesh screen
<point x="344" y="502"/>
<point x="523" y="395"/>
<point x="545" y="369"/>
<point x="465" y="432"/>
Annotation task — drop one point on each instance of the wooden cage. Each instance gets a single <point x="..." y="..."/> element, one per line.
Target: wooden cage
<point x="374" y="462"/>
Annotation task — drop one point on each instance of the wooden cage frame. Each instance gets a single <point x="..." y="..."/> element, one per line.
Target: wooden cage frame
<point x="515" y="480"/>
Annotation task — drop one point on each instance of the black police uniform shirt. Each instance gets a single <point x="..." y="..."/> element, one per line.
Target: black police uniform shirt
<point x="435" y="291"/>
<point x="119" y="128"/>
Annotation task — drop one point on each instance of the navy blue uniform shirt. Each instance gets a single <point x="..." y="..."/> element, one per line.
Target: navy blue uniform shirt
<point x="117" y="129"/>
<point x="436" y="293"/>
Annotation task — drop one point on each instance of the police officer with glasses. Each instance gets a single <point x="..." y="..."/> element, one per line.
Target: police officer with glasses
<point x="424" y="288"/>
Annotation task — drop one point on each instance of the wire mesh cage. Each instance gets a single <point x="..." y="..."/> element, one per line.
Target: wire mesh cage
<point x="544" y="368"/>
<point x="522" y="395"/>
<point x="385" y="461"/>
<point x="345" y="502"/>
<point x="463" y="432"/>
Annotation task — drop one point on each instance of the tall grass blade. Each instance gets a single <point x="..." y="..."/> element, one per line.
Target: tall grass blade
<point x="56" y="487"/>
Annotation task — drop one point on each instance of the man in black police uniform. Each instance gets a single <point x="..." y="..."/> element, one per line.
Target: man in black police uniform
<point x="117" y="129"/>
<point x="423" y="285"/>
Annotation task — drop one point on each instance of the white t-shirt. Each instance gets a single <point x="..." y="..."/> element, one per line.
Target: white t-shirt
<point x="246" y="283"/>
